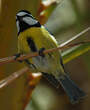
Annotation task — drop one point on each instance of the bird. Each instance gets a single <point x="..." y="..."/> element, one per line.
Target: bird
<point x="34" y="37"/>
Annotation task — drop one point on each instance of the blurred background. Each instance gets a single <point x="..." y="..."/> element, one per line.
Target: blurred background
<point x="66" y="19"/>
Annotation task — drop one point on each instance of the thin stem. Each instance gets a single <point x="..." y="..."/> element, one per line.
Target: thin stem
<point x="76" y="36"/>
<point x="8" y="80"/>
<point x="23" y="57"/>
<point x="19" y="73"/>
<point x="12" y="77"/>
<point x="62" y="46"/>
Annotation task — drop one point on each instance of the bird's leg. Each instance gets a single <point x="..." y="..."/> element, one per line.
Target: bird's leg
<point x="17" y="56"/>
<point x="41" y="52"/>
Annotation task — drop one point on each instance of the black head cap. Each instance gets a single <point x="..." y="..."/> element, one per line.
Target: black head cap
<point x="25" y="20"/>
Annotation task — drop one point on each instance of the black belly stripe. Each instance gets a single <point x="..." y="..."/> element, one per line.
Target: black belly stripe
<point x="31" y="44"/>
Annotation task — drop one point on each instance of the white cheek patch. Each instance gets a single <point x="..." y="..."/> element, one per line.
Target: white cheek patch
<point x="29" y="20"/>
<point x="18" y="27"/>
<point x="21" y="13"/>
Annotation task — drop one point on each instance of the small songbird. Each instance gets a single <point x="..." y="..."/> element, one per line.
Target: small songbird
<point x="33" y="37"/>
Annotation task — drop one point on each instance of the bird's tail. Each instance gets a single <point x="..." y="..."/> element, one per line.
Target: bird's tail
<point x="71" y="89"/>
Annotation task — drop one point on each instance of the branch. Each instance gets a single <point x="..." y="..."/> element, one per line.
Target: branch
<point x="62" y="46"/>
<point x="23" y="57"/>
<point x="33" y="81"/>
<point x="76" y="36"/>
<point x="19" y="73"/>
<point x="12" y="77"/>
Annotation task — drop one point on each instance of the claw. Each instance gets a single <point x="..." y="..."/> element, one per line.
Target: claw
<point x="17" y="56"/>
<point x="41" y="52"/>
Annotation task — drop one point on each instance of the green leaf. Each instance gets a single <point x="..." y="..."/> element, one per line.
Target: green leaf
<point x="74" y="52"/>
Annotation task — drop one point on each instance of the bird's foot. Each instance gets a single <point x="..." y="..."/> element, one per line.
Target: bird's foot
<point x="17" y="56"/>
<point x="41" y="52"/>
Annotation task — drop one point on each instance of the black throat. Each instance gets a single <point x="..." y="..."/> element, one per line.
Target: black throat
<point x="23" y="26"/>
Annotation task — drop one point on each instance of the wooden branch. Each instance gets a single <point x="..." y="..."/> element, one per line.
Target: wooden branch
<point x="19" y="73"/>
<point x="62" y="46"/>
<point x="33" y="81"/>
<point x="76" y="36"/>
<point x="12" y="77"/>
<point x="23" y="57"/>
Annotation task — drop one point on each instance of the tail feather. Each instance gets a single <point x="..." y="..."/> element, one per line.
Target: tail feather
<point x="72" y="90"/>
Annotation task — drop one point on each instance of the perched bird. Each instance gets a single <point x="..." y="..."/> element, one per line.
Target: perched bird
<point x="33" y="37"/>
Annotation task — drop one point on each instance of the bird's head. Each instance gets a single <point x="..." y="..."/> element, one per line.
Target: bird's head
<point x="25" y="20"/>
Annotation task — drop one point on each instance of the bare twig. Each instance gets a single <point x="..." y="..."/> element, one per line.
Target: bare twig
<point x="76" y="36"/>
<point x="19" y="73"/>
<point x="23" y="57"/>
<point x="12" y="77"/>
<point x="34" y="78"/>
<point x="62" y="46"/>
